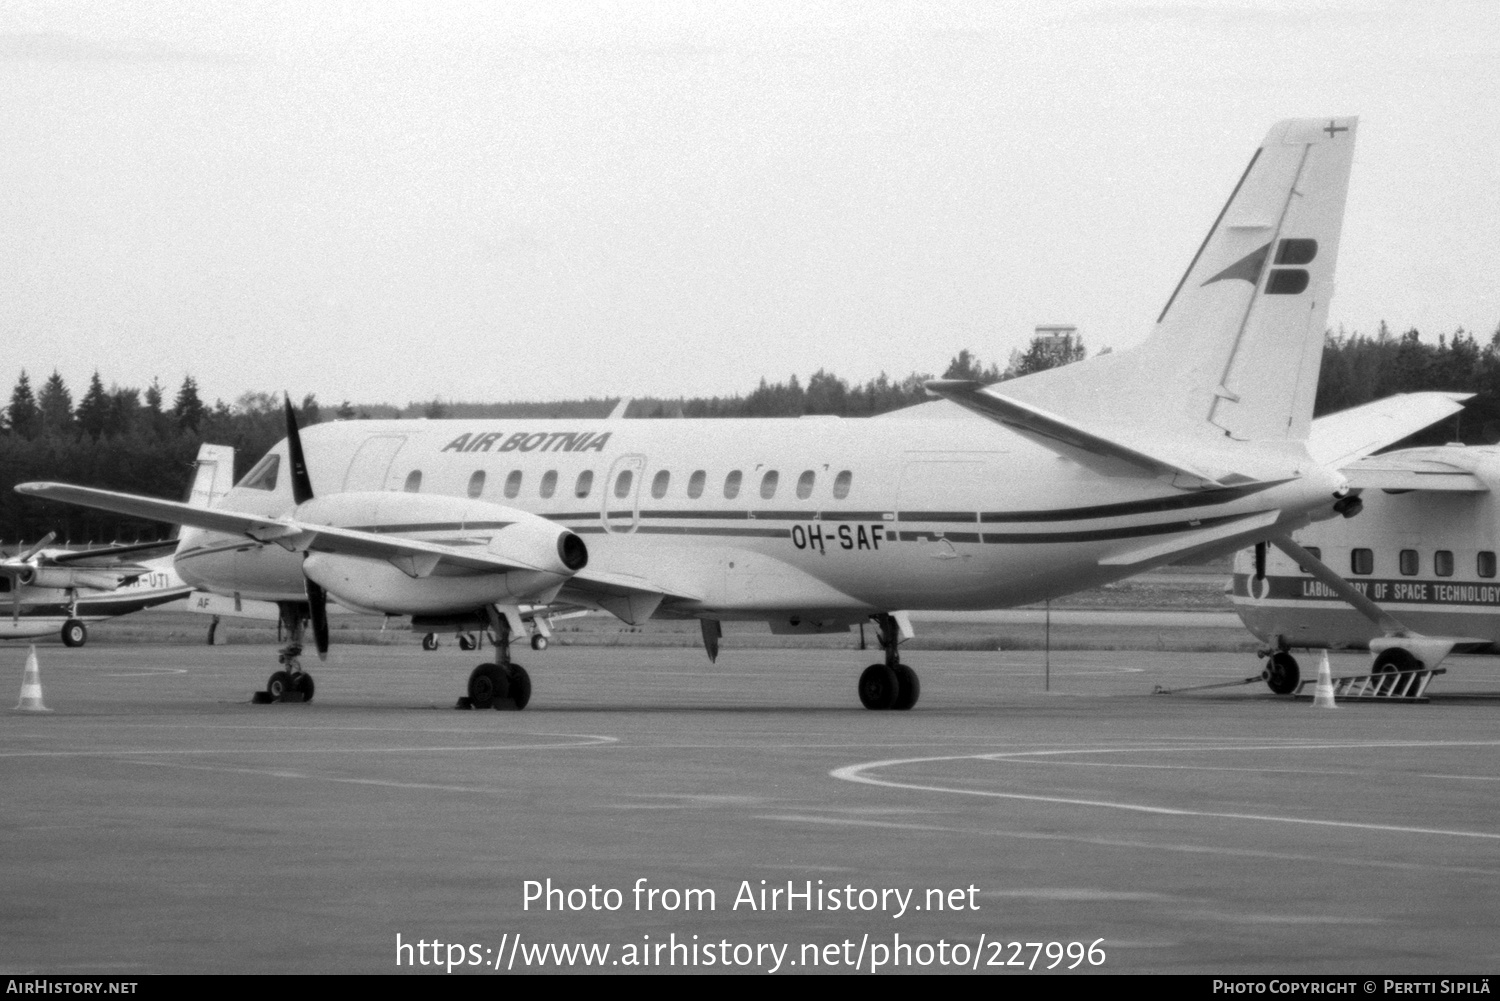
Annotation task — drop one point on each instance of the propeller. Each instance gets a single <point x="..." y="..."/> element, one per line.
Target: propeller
<point x="15" y="580"/>
<point x="45" y="541"/>
<point x="302" y="492"/>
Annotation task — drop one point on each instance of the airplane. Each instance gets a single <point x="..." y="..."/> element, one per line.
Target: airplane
<point x="1419" y="568"/>
<point x="63" y="591"/>
<point x="60" y="591"/>
<point x="1197" y="442"/>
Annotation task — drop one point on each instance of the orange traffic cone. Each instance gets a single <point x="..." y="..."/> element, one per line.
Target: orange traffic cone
<point x="1323" y="693"/>
<point x="31" y="687"/>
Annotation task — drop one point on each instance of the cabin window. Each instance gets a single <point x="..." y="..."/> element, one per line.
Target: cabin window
<point x="549" y="483"/>
<point x="1312" y="551"/>
<point x="841" y="484"/>
<point x="695" y="483"/>
<point x="732" y="484"/>
<point x="1486" y="564"/>
<point x="4" y="583"/>
<point x="476" y="483"/>
<point x="805" y="484"/>
<point x="513" y="483"/>
<point x="584" y="485"/>
<point x="768" y="484"/>
<point x="659" y="483"/>
<point x="263" y="476"/>
<point x="1442" y="563"/>
<point x="1362" y="561"/>
<point x="1411" y="564"/>
<point x="413" y="481"/>
<point x="622" y="483"/>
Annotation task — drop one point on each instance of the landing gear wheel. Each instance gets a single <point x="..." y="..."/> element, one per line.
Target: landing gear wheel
<point x="1282" y="673"/>
<point x="303" y="682"/>
<point x="465" y="641"/>
<point x="74" y="633"/>
<point x="538" y="642"/>
<point x="878" y="687"/>
<point x="430" y="642"/>
<point x="520" y="689"/>
<point x="279" y="684"/>
<point x="908" y="688"/>
<point x="1395" y="659"/>
<point x="488" y="685"/>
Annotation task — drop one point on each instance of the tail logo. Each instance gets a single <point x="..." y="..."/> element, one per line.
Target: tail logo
<point x="1283" y="280"/>
<point x="1291" y="281"/>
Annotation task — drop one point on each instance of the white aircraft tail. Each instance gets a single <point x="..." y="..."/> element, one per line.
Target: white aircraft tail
<point x="214" y="475"/>
<point x="1237" y="349"/>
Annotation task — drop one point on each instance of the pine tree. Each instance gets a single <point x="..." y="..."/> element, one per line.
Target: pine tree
<point x="93" y="409"/>
<point x="55" y="404"/>
<point x="188" y="410"/>
<point x="24" y="417"/>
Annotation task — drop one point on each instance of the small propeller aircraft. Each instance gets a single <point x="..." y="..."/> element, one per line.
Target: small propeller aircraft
<point x="1197" y="442"/>
<point x="53" y="590"/>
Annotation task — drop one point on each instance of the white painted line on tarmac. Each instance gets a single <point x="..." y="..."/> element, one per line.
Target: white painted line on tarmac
<point x="575" y="740"/>
<point x="146" y="674"/>
<point x="283" y="773"/>
<point x="857" y="773"/>
<point x="1354" y="861"/>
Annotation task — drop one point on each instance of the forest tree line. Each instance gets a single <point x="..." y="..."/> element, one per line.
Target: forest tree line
<point x="139" y="441"/>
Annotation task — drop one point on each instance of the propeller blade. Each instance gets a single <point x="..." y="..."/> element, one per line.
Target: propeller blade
<point x="46" y="541"/>
<point x="317" y="613"/>
<point x="301" y="485"/>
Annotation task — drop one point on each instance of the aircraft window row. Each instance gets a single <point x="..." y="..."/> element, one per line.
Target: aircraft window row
<point x="1409" y="562"/>
<point x="263" y="477"/>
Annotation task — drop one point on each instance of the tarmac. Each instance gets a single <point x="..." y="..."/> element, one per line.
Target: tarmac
<point x="158" y="822"/>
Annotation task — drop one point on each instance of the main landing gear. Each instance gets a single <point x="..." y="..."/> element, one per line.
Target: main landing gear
<point x="74" y="633"/>
<point x="502" y="684"/>
<point x="290" y="683"/>
<point x="891" y="685"/>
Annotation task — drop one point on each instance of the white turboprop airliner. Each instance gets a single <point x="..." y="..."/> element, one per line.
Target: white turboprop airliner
<point x="1417" y="569"/>
<point x="1194" y="443"/>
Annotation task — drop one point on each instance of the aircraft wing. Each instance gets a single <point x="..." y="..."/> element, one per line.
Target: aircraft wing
<point x="413" y="557"/>
<point x="109" y="556"/>
<point x="1339" y="439"/>
<point x="1051" y="430"/>
<point x="1400" y="471"/>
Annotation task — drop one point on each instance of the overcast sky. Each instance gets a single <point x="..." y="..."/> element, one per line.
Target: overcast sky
<point x="497" y="201"/>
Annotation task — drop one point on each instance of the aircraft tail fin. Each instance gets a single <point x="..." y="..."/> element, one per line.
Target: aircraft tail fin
<point x="1237" y="349"/>
<point x="214" y="475"/>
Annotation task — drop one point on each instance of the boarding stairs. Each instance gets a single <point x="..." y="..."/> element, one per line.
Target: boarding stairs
<point x="1386" y="686"/>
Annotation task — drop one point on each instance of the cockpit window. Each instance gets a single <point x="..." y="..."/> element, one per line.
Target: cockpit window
<point x="263" y="476"/>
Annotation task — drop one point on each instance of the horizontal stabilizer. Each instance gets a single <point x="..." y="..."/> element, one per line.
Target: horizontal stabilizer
<point x="1052" y="430"/>
<point x="1341" y="438"/>
<point x="1170" y="549"/>
<point x="1395" y="472"/>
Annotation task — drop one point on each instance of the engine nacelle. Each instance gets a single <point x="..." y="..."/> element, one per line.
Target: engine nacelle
<point x="63" y="578"/>
<point x="544" y="554"/>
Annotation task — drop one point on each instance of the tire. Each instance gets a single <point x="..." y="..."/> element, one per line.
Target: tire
<point x="538" y="642"/>
<point x="520" y="689"/>
<point x="878" y="687"/>
<point x="1282" y="673"/>
<point x="465" y="641"/>
<point x="488" y="685"/>
<point x="1395" y="659"/>
<point x="303" y="682"/>
<point x="74" y="633"/>
<point x="430" y="642"/>
<point x="279" y="684"/>
<point x="908" y="688"/>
